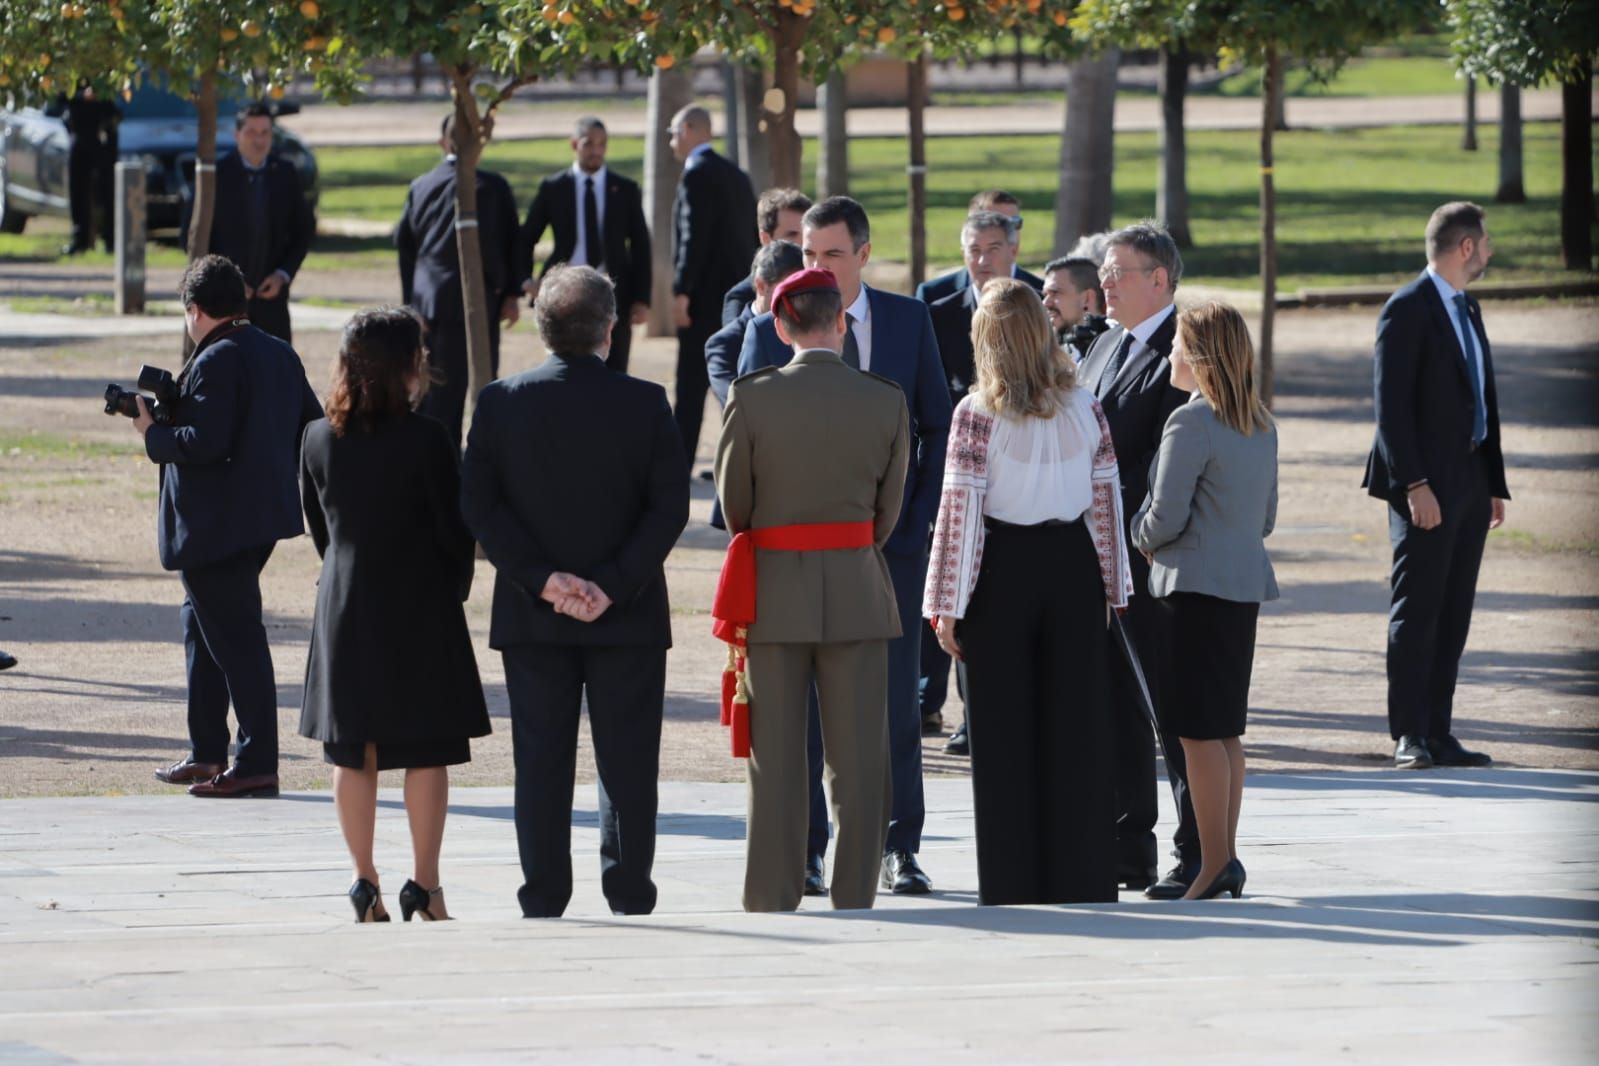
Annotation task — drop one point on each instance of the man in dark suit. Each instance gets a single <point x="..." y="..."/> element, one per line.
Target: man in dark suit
<point x="779" y="213"/>
<point x="1438" y="463"/>
<point x="430" y="274"/>
<point x="1129" y="371"/>
<point x="891" y="336"/>
<point x="598" y="218"/>
<point x="91" y="167"/>
<point x="935" y="289"/>
<point x="261" y="220"/>
<point x="713" y="239"/>
<point x="774" y="262"/>
<point x="988" y="248"/>
<point x="230" y="465"/>
<point x="575" y="484"/>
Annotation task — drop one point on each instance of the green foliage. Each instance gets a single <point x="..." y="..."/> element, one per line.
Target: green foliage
<point x="1524" y="42"/>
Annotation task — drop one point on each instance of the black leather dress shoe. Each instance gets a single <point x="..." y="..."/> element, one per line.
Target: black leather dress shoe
<point x="815" y="876"/>
<point x="1446" y="751"/>
<point x="933" y="724"/>
<point x="903" y="877"/>
<point x="230" y="784"/>
<point x="1138" y="880"/>
<point x="1175" y="884"/>
<point x="7" y="661"/>
<point x="958" y="743"/>
<point x="1411" y="754"/>
<point x="189" y="772"/>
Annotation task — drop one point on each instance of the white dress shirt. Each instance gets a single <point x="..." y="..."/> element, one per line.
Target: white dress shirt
<point x="1449" y="292"/>
<point x="860" y="313"/>
<point x="580" y="251"/>
<point x="1146" y="329"/>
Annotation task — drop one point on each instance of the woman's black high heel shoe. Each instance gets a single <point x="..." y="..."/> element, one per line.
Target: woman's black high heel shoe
<point x="364" y="897"/>
<point x="1231" y="879"/>
<point x="414" y="899"/>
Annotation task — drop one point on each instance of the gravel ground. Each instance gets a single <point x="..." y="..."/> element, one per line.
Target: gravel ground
<point x="98" y="699"/>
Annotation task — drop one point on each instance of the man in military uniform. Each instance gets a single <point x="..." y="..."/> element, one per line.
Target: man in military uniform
<point x="811" y="471"/>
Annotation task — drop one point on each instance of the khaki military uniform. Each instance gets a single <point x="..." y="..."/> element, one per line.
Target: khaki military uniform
<point x="809" y="443"/>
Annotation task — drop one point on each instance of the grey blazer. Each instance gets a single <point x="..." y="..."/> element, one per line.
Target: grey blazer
<point x="1211" y="505"/>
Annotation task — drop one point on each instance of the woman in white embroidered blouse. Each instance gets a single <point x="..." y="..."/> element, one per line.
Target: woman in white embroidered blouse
<point x="1029" y="556"/>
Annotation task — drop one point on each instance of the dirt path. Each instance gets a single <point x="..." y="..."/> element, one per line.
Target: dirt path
<point x="98" y="700"/>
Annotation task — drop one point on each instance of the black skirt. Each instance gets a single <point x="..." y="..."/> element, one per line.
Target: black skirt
<point x="405" y="755"/>
<point x="1209" y="654"/>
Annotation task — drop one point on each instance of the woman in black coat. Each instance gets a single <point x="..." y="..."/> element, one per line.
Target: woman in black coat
<point x="391" y="681"/>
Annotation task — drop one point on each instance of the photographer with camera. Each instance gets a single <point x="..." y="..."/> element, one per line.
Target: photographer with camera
<point x="1075" y="302"/>
<point x="229" y="449"/>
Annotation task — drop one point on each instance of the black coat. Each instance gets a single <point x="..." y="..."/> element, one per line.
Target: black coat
<point x="935" y="289"/>
<point x="713" y="229"/>
<point x="230" y="464"/>
<point x="570" y="467"/>
<point x="952" y="326"/>
<point x="390" y="660"/>
<point x="430" y="266"/>
<point x="1425" y="405"/>
<point x="738" y="299"/>
<point x="626" y="234"/>
<point x="278" y="244"/>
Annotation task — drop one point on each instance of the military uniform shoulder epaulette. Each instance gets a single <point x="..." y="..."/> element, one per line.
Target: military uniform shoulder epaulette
<point x="880" y="378"/>
<point x="753" y="374"/>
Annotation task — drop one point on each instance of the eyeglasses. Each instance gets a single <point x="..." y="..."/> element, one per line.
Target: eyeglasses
<point x="1116" y="273"/>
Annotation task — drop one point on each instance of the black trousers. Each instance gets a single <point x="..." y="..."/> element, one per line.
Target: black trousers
<point x="1434" y="583"/>
<point x="445" y="399"/>
<point x="693" y="380"/>
<point x="1035" y="644"/>
<point x="90" y="173"/>
<point x="621" y="341"/>
<point x="225" y="645"/>
<point x="625" y="686"/>
<point x="272" y="316"/>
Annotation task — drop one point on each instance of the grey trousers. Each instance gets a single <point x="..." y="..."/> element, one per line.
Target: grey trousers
<point x="852" y="688"/>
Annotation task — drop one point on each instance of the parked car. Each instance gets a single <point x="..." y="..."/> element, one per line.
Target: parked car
<point x="159" y="129"/>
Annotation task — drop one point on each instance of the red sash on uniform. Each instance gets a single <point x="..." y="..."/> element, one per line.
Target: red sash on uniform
<point x="733" y="609"/>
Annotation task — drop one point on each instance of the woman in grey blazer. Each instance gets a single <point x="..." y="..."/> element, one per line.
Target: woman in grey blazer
<point x="1212" y="503"/>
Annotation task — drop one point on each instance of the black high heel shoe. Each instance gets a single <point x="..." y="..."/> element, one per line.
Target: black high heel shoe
<point x="414" y="899"/>
<point x="365" y="897"/>
<point x="1231" y="879"/>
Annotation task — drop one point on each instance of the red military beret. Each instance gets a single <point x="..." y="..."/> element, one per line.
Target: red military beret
<point x="812" y="279"/>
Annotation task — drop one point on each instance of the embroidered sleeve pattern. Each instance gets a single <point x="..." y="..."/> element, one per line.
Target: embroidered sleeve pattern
<point x="1110" y="525"/>
<point x="958" y="533"/>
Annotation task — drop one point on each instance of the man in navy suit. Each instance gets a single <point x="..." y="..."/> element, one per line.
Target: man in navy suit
<point x="774" y="262"/>
<point x="1438" y="464"/>
<point x="598" y="219"/>
<point x="430" y="274"/>
<point x="935" y="289"/>
<point x="230" y="491"/>
<point x="892" y="336"/>
<point x="779" y="214"/>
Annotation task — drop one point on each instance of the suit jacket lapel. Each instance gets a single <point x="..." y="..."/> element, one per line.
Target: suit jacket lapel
<point x="878" y="329"/>
<point x="1159" y="347"/>
<point x="1445" y="325"/>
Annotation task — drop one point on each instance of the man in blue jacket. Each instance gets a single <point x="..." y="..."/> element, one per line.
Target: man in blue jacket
<point x="230" y="464"/>
<point x="891" y="336"/>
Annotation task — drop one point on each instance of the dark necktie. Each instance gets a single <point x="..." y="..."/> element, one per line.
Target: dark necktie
<point x="260" y="223"/>
<point x="591" y="226"/>
<point x="1112" y="368"/>
<point x="852" y="348"/>
<point x="1468" y="336"/>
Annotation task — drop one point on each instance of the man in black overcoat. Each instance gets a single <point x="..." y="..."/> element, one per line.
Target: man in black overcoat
<point x="1438" y="464"/>
<point x="261" y="220"/>
<point x="575" y="484"/>
<point x="230" y="465"/>
<point x="91" y="166"/>
<point x="430" y="274"/>
<point x="1129" y="370"/>
<point x="598" y="219"/>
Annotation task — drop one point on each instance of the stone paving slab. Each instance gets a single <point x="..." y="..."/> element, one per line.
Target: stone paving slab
<point x="1446" y="916"/>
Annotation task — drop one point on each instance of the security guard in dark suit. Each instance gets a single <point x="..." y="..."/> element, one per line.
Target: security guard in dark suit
<point x="229" y="492"/>
<point x="91" y="161"/>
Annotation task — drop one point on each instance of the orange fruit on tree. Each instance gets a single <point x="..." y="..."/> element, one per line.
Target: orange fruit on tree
<point x="664" y="62"/>
<point x="886" y="35"/>
<point x="229" y="33"/>
<point x="250" y="28"/>
<point x="1060" y="18"/>
<point x="309" y="9"/>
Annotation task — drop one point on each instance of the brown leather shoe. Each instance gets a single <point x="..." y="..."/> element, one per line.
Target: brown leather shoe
<point x="187" y="772"/>
<point x="230" y="784"/>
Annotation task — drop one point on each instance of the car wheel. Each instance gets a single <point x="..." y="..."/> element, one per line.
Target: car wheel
<point x="11" y="220"/>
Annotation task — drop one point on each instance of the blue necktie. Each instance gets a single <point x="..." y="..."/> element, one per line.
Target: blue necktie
<point x="1479" y="424"/>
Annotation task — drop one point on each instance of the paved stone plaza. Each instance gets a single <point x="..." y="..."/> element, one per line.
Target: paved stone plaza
<point x="1449" y="916"/>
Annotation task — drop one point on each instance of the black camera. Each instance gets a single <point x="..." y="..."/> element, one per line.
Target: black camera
<point x="1083" y="335"/>
<point x="163" y="402"/>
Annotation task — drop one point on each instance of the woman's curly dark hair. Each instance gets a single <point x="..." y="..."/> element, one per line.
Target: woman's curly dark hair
<point x="382" y="359"/>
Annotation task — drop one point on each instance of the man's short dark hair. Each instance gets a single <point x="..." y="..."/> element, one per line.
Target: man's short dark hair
<point x="215" y="285"/>
<point x="991" y="199"/>
<point x="587" y="125"/>
<point x="1451" y="224"/>
<point x="775" y="201"/>
<point x="255" y="110"/>
<point x="575" y="310"/>
<point x="1084" y="273"/>
<point x="836" y="209"/>
<point x="1151" y="240"/>
<point x="776" y="261"/>
<point x="807" y="312"/>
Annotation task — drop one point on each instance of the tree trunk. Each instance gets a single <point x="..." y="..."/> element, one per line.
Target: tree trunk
<point x="1271" y="89"/>
<point x="779" y="103"/>
<point x="1279" y="99"/>
<point x="916" y="115"/>
<point x="1020" y="57"/>
<point x="1512" y="190"/>
<point x="1084" y="202"/>
<point x="832" y="160"/>
<point x="1468" y="129"/>
<point x="733" y="125"/>
<point x="1171" y="188"/>
<point x="205" y="167"/>
<point x="669" y="91"/>
<point x="472" y="132"/>
<point x="1576" y="168"/>
<point x="757" y="160"/>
